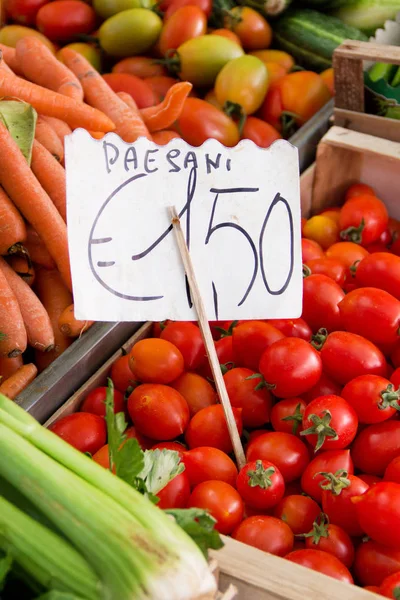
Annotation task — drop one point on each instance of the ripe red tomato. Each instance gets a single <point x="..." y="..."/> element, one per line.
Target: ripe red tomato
<point x="250" y="340"/>
<point x="330" y="267"/>
<point x="259" y="132"/>
<point x="287" y="415"/>
<point x="292" y="328"/>
<point x="224" y="350"/>
<point x="154" y="360"/>
<point x="243" y="393"/>
<point x="200" y="121"/>
<point x="392" y="472"/>
<point x="284" y="450"/>
<point x="298" y="511"/>
<point x="144" y="442"/>
<point x="187" y="338"/>
<point x="338" y="490"/>
<point x="390" y="587"/>
<point x="348" y="253"/>
<point x="196" y="390"/>
<point x="374" y="562"/>
<point x="175" y="446"/>
<point x="206" y="463"/>
<point x="331" y="538"/>
<point x="395" y="378"/>
<point x="290" y="367"/>
<point x="326" y="563"/>
<point x="359" y="189"/>
<point x="158" y="411"/>
<point x="172" y="7"/>
<point x="321" y="298"/>
<point x="121" y="374"/>
<point x="329" y="461"/>
<point x="265" y="533"/>
<point x="184" y="24"/>
<point x="369" y="479"/>
<point x="376" y="446"/>
<point x="160" y="84"/>
<point x="378" y="513"/>
<point x="380" y="270"/>
<point x="138" y="89"/>
<point x="324" y="387"/>
<point x="64" y="19"/>
<point x="253" y="30"/>
<point x="260" y="484"/>
<point x="208" y="428"/>
<point x="23" y="11"/>
<point x="95" y="402"/>
<point x="373" y="398"/>
<point x="101" y="457"/>
<point x="329" y="422"/>
<point x="363" y="219"/>
<point x="84" y="431"/>
<point x="310" y="250"/>
<point x="222" y="501"/>
<point x="176" y="493"/>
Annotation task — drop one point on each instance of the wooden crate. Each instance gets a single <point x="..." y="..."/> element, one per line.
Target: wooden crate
<point x="349" y="88"/>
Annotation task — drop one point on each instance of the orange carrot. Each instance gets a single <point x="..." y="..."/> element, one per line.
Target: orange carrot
<point x="53" y="104"/>
<point x="128" y="124"/>
<point x="163" y="137"/>
<point x="28" y="195"/>
<point x="10" y="58"/>
<point x="55" y="297"/>
<point x="70" y="326"/>
<point x="169" y="110"/>
<point x="48" y="138"/>
<point x="37" y="322"/>
<point x="8" y="366"/>
<point x="97" y="135"/>
<point x="13" y="338"/>
<point x="51" y="175"/>
<point x="37" y="251"/>
<point x="17" y="382"/>
<point x="22" y="268"/>
<point x="61" y="128"/>
<point x="40" y="66"/>
<point x="12" y="226"/>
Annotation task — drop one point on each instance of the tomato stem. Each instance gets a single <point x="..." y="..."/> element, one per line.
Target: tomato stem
<point x="353" y="234"/>
<point x="319" y="530"/>
<point x="262" y="384"/>
<point x="227" y="367"/>
<point x="260" y="477"/>
<point x="353" y="267"/>
<point x="390" y="398"/>
<point x="321" y="428"/>
<point x="227" y="332"/>
<point x="335" y="482"/>
<point x="319" y="339"/>
<point x="306" y="271"/>
<point x="396" y="593"/>
<point x="296" y="417"/>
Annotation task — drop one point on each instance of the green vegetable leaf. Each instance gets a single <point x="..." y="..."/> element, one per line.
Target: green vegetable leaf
<point x="20" y="120"/>
<point x="199" y="525"/>
<point x="160" y="467"/>
<point x="5" y="567"/>
<point x="129" y="461"/>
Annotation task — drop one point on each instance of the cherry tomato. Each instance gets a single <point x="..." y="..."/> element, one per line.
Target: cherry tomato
<point x="328" y="78"/>
<point x="331" y="538"/>
<point x="275" y="56"/>
<point x="252" y="29"/>
<point x="373" y="398"/>
<point x="333" y="213"/>
<point x="206" y="463"/>
<point x="299" y="512"/>
<point x="311" y="250"/>
<point x="259" y="132"/>
<point x="348" y="253"/>
<point x="176" y="493"/>
<point x="175" y="446"/>
<point x="392" y="471"/>
<point x="144" y="442"/>
<point x="186" y="23"/>
<point x="62" y="19"/>
<point x="331" y="267"/>
<point x="260" y="484"/>
<point x="243" y="393"/>
<point x="359" y="189"/>
<point x="265" y="533"/>
<point x="241" y="85"/>
<point x="395" y="355"/>
<point x="321" y="298"/>
<point x="363" y="219"/>
<point x="154" y="360"/>
<point x="224" y="350"/>
<point x="187" y="338"/>
<point x="208" y="428"/>
<point x="287" y="415"/>
<point x="138" y="89"/>
<point x="101" y="457"/>
<point x="200" y="121"/>
<point x="196" y="390"/>
<point x="250" y="340"/>
<point x="204" y="5"/>
<point x="121" y="374"/>
<point x="291" y="367"/>
<point x="329" y="422"/>
<point x="374" y="562"/>
<point x="369" y="479"/>
<point x="322" y="230"/>
<point x="325" y="563"/>
<point x="376" y="446"/>
<point x="140" y="66"/>
<point x="158" y="327"/>
<point x="378" y="512"/>
<point x="329" y="461"/>
<point x="227" y="33"/>
<point x="23" y="11"/>
<point x="95" y="402"/>
<point x="380" y="270"/>
<point x="292" y="328"/>
<point x="222" y="501"/>
<point x="286" y="451"/>
<point x="390" y="587"/>
<point x="158" y="411"/>
<point x="84" y="431"/>
<point x="324" y="387"/>
<point x="338" y="490"/>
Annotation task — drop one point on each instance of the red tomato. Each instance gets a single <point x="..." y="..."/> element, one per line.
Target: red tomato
<point x="95" y="402"/>
<point x="369" y="479"/>
<point x="101" y="457"/>
<point x="121" y="374"/>
<point x="376" y="446"/>
<point x="84" y="431"/>
<point x="311" y="250"/>
<point x="200" y="121"/>
<point x="372" y="313"/>
<point x="392" y="471"/>
<point x="250" y="339"/>
<point x="265" y="533"/>
<point x="154" y="360"/>
<point x="330" y="267"/>
<point x="359" y="189"/>
<point x="284" y="450"/>
<point x="260" y="132"/>
<point x="222" y="501"/>
<point x="390" y="587"/>
<point x="64" y="19"/>
<point x="324" y="387"/>
<point x="363" y="219"/>
<point x="395" y="355"/>
<point x="158" y="411"/>
<point x="287" y="415"/>
<point x="184" y="24"/>
<point x="372" y="588"/>
<point x="160" y="84"/>
<point x="329" y="461"/>
<point x="374" y="562"/>
<point x="158" y="327"/>
<point x="290" y="367"/>
<point x="338" y="490"/>
<point x="196" y="390"/>
<point x="140" y="91"/>
<point x="208" y="428"/>
<point x="329" y="422"/>
<point x="325" y="563"/>
<point x="331" y="538"/>
<point x="176" y="493"/>
<point x="260" y="484"/>
<point x="227" y="33"/>
<point x="373" y="398"/>
<point x="252" y="29"/>
<point x="298" y="511"/>
<point x="224" y="350"/>
<point x="378" y="512"/>
<point x="243" y="393"/>
<point x="348" y="253"/>
<point x="321" y="298"/>
<point x="293" y="328"/>
<point x="206" y="463"/>
<point x="204" y="5"/>
<point x="23" y="11"/>
<point x="395" y="378"/>
<point x="187" y="338"/>
<point x="175" y="446"/>
<point x="144" y="442"/>
<point x="141" y="66"/>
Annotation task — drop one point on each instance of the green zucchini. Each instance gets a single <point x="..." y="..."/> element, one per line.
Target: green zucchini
<point x="311" y="37"/>
<point x="368" y="15"/>
<point x="396" y="78"/>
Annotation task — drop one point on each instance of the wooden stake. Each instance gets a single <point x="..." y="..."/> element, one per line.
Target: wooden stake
<point x="208" y="339"/>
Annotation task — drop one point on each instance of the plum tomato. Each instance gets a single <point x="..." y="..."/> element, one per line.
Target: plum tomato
<point x="138" y="89"/>
<point x="330" y="267"/>
<point x="175" y="446"/>
<point x="376" y="446"/>
<point x="84" y="431"/>
<point x="23" y="11"/>
<point x="205" y="463"/>
<point x="322" y="230"/>
<point x="369" y="479"/>
<point x="329" y="461"/>
<point x="378" y="513"/>
<point x="187" y="338"/>
<point x="241" y="85"/>
<point x="95" y="402"/>
<point x="287" y="415"/>
<point x="359" y="189"/>
<point x="363" y="219"/>
<point x="184" y="24"/>
<point x="324" y="387"/>
<point x="329" y="422"/>
<point x="310" y="250"/>
<point x="250" y="340"/>
<point x="373" y="398"/>
<point x="154" y="360"/>
<point x="252" y="29"/>
<point x="390" y="587"/>
<point x="374" y="562"/>
<point x="380" y="270"/>
<point x="222" y="501"/>
<point x="196" y="390"/>
<point x="243" y="393"/>
<point x="349" y="253"/>
<point x="259" y="132"/>
<point x="338" y="490"/>
<point x="260" y="484"/>
<point x="208" y="428"/>
<point x="176" y="493"/>
<point x="298" y="511"/>
<point x="64" y="19"/>
<point x="331" y="538"/>
<point x="121" y="374"/>
<point x="292" y="328"/>
<point x="321" y="298"/>
<point x="325" y="563"/>
<point x="392" y="471"/>
<point x="265" y="533"/>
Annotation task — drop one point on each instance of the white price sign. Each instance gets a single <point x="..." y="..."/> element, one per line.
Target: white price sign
<point x="239" y="209"/>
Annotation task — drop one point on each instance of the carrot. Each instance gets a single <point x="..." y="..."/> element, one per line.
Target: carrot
<point x="51" y="175"/>
<point x="22" y="268"/>
<point x="40" y="66"/>
<point x="36" y="250"/>
<point x="169" y="110"/>
<point x="55" y="297"/>
<point x="97" y="135"/>
<point x="8" y="366"/>
<point x="12" y="226"/>
<point x="48" y="138"/>
<point x="70" y="326"/>
<point x="10" y="58"/>
<point x="163" y="137"/>
<point x="26" y="192"/>
<point x="37" y="322"/>
<point x="128" y="124"/>
<point x="61" y="128"/>
<point x="129" y="101"/>
<point x="17" y="382"/>
<point x="13" y="338"/>
<point x="53" y="104"/>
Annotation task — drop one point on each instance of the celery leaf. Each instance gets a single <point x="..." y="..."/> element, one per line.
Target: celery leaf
<point x="160" y="467"/>
<point x="5" y="567"/>
<point x="199" y="525"/>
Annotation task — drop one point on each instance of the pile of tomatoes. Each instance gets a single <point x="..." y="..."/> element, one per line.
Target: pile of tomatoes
<point x="315" y="399"/>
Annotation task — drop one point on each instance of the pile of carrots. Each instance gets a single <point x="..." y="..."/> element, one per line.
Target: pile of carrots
<point x="37" y="320"/>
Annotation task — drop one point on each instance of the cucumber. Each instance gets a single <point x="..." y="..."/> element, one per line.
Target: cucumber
<point x="368" y="15"/>
<point x="324" y="5"/>
<point x="396" y="79"/>
<point x="382" y="71"/>
<point x="311" y="37"/>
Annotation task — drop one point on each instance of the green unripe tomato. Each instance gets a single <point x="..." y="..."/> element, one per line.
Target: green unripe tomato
<point x="130" y="32"/>
<point x="108" y="8"/>
<point x="242" y="82"/>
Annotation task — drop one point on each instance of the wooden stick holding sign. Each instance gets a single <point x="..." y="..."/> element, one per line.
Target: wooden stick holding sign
<point x="208" y="339"/>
